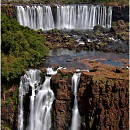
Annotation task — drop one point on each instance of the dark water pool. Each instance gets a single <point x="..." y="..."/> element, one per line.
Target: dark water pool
<point x="60" y="57"/>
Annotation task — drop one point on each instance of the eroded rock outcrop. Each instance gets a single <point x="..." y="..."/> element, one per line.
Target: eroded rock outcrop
<point x="62" y="108"/>
<point x="103" y="103"/>
<point x="103" y="98"/>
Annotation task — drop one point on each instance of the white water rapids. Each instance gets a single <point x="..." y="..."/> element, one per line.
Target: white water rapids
<point x="40" y="103"/>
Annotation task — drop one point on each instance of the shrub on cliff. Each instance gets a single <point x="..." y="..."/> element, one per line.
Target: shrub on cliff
<point x="21" y="47"/>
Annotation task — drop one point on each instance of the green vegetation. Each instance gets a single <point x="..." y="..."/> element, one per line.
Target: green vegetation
<point x="113" y="24"/>
<point x="21" y="47"/>
<point x="9" y="10"/>
<point x="67" y="43"/>
<point x="91" y="36"/>
<point x="98" y="33"/>
<point x="120" y="2"/>
<point x="4" y="127"/>
<point x="65" y="75"/>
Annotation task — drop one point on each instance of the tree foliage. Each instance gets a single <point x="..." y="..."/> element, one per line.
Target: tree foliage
<point x="21" y="47"/>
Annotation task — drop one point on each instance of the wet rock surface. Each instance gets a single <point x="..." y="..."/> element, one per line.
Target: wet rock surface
<point x="98" y="39"/>
<point x="120" y="12"/>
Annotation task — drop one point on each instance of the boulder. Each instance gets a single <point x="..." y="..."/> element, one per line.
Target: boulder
<point x="98" y="27"/>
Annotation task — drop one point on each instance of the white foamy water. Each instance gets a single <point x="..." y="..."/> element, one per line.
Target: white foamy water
<point x="40" y="102"/>
<point x="76" y="122"/>
<point x="35" y="17"/>
<point x="67" y="16"/>
<point x="31" y="78"/>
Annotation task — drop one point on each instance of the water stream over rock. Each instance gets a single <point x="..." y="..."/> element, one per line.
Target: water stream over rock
<point x="31" y="78"/>
<point x="40" y="101"/>
<point x="75" y="125"/>
<point x="67" y="16"/>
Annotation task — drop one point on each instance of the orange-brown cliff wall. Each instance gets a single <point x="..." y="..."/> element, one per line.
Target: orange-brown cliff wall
<point x="103" y="101"/>
<point x="61" y="85"/>
<point x="103" y="98"/>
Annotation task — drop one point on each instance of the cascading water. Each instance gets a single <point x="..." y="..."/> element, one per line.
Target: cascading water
<point x="109" y="17"/>
<point x="40" y="103"/>
<point x="35" y="17"/>
<point x="67" y="16"/>
<point x="75" y="125"/>
<point x="82" y="16"/>
<point x="31" y="78"/>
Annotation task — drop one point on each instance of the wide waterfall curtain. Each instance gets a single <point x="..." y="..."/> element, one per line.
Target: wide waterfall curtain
<point x="67" y="16"/>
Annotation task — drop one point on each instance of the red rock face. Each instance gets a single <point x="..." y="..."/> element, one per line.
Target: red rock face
<point x="103" y="101"/>
<point x="62" y="104"/>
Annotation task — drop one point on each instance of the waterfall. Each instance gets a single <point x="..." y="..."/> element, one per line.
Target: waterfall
<point x="35" y="17"/>
<point x="67" y="16"/>
<point x="31" y="78"/>
<point x="40" y="102"/>
<point x="75" y="125"/>
<point x="109" y="17"/>
<point x="82" y="17"/>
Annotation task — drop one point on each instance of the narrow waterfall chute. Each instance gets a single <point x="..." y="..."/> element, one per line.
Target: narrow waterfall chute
<point x="109" y="17"/>
<point x="75" y="124"/>
<point x="43" y="105"/>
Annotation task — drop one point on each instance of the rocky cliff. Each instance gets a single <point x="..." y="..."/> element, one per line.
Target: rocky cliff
<point x="103" y="99"/>
<point x="120" y="13"/>
<point x="103" y="103"/>
<point x="62" y="106"/>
